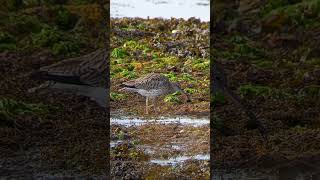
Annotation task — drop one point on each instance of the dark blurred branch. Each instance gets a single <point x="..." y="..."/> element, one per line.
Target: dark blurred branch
<point x="105" y="7"/>
<point x="105" y="22"/>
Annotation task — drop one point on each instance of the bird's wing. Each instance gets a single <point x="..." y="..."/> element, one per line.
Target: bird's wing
<point x="89" y="69"/>
<point x="95" y="78"/>
<point x="136" y="82"/>
<point x="151" y="81"/>
<point x="93" y="71"/>
<point x="130" y="84"/>
<point x="68" y="67"/>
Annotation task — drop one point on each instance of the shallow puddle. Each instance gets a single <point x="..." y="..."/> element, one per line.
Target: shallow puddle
<point x="184" y="121"/>
<point x="115" y="143"/>
<point x="166" y="141"/>
<point x="180" y="159"/>
<point x="153" y="150"/>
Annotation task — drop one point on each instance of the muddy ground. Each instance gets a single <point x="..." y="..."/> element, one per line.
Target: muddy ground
<point x="270" y="52"/>
<point x="160" y="151"/>
<point x="58" y="141"/>
<point x="49" y="134"/>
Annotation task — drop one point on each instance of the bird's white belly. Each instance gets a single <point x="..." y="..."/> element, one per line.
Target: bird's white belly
<point x="151" y="92"/>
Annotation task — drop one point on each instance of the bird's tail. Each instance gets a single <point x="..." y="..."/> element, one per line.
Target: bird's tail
<point x="44" y="75"/>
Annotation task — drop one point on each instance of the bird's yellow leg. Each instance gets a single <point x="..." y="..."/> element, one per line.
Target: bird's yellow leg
<point x="147" y="99"/>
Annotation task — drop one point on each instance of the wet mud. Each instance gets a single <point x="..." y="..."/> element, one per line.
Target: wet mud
<point x="48" y="134"/>
<point x="59" y="142"/>
<point x="169" y="148"/>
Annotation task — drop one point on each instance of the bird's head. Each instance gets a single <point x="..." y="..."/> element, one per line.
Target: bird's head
<point x="177" y="87"/>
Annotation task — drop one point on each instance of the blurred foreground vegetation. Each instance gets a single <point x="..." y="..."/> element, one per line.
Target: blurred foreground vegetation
<point x="63" y="28"/>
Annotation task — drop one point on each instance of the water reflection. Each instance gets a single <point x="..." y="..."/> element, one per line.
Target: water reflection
<point x="180" y="159"/>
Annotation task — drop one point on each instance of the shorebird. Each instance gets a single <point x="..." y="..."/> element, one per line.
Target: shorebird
<point x="85" y="75"/>
<point x="152" y="86"/>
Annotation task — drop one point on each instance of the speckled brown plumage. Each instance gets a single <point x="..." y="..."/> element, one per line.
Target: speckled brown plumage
<point x="85" y="75"/>
<point x="151" y="86"/>
<point x="89" y="70"/>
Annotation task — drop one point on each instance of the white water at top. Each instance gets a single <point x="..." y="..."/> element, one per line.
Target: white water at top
<point x="161" y="8"/>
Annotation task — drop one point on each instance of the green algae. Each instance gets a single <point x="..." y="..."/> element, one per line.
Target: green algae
<point x="173" y="98"/>
<point x="10" y="109"/>
<point x="118" y="53"/>
<point x="117" y="96"/>
<point x="301" y="13"/>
